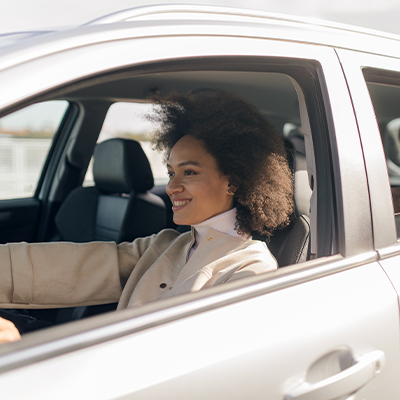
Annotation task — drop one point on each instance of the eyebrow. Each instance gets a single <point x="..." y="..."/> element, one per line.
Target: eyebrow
<point x="184" y="163"/>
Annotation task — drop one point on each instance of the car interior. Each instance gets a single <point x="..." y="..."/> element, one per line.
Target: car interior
<point x="385" y="96"/>
<point x="122" y="202"/>
<point x="273" y="93"/>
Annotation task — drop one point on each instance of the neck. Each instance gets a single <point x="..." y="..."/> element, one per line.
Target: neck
<point x="224" y="223"/>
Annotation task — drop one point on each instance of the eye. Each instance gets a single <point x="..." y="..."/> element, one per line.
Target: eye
<point x="188" y="172"/>
<point x="170" y="174"/>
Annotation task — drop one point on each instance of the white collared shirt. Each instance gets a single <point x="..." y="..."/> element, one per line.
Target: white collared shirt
<point x="224" y="223"/>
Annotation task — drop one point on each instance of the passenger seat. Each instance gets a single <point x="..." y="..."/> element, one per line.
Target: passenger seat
<point x="118" y="207"/>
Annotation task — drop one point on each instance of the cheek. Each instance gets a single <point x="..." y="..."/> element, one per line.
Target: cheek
<point x="198" y="187"/>
<point x="216" y="190"/>
<point x="208" y="190"/>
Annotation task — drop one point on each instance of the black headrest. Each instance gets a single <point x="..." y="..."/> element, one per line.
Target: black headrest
<point x="120" y="166"/>
<point x="302" y="190"/>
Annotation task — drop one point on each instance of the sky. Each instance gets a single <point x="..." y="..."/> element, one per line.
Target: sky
<point x="37" y="117"/>
<point x="48" y="115"/>
<point x="22" y="15"/>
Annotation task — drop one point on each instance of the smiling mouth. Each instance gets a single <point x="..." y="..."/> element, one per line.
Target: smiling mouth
<point x="179" y="204"/>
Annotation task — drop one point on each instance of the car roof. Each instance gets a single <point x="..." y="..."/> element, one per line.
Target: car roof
<point x="8" y="39"/>
<point x="187" y="11"/>
<point x="209" y="20"/>
<point x="181" y="12"/>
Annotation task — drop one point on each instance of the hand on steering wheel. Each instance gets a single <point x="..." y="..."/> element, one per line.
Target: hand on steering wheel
<point x="8" y="331"/>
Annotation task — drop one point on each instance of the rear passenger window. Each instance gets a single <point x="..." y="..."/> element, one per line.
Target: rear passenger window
<point x="127" y="120"/>
<point x="25" y="139"/>
<point x="386" y="102"/>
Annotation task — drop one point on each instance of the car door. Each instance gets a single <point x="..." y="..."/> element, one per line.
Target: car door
<point x="325" y="333"/>
<point x="324" y="329"/>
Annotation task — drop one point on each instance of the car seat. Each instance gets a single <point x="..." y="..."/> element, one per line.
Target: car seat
<point x="118" y="207"/>
<point x="290" y="245"/>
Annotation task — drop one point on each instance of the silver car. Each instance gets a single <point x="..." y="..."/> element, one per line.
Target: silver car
<point x="323" y="326"/>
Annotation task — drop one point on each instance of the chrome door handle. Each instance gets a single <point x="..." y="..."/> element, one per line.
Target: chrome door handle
<point x="344" y="383"/>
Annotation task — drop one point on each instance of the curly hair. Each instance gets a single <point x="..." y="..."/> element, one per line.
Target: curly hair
<point x="245" y="145"/>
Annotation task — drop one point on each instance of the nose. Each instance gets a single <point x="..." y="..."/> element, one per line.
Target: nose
<point x="174" y="186"/>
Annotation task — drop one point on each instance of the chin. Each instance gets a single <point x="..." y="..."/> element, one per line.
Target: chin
<point x="181" y="222"/>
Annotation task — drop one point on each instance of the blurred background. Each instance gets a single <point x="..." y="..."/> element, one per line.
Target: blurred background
<point x="22" y="15"/>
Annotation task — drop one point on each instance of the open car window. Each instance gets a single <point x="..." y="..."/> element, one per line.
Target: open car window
<point x="274" y="92"/>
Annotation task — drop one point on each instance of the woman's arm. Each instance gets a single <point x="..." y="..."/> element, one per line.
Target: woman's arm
<point x="62" y="274"/>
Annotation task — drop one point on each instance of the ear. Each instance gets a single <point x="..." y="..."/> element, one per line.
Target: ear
<point x="232" y="189"/>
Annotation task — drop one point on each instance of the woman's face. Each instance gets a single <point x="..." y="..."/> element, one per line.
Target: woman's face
<point x="197" y="189"/>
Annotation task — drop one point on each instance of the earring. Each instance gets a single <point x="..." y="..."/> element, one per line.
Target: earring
<point x="231" y="192"/>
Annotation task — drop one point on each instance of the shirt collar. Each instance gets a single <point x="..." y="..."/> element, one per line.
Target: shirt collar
<point x="224" y="223"/>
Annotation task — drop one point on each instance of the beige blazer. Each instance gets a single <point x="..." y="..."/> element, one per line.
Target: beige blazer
<point x="62" y="274"/>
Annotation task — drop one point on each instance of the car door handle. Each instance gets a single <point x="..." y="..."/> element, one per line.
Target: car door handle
<point x="343" y="383"/>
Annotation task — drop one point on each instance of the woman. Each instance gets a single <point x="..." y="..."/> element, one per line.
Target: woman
<point x="228" y="177"/>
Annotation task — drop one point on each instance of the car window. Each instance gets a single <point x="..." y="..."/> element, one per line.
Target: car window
<point x="25" y="139"/>
<point x="386" y="100"/>
<point x="273" y="93"/>
<point x="127" y="120"/>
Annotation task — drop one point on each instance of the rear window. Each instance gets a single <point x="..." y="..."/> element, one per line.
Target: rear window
<point x="127" y="120"/>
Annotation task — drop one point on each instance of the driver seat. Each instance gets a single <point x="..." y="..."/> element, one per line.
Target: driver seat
<point x="290" y="245"/>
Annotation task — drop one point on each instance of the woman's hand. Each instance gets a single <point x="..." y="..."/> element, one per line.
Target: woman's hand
<point x="8" y="331"/>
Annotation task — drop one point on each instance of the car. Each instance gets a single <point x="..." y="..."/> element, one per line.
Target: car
<point x="323" y="326"/>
